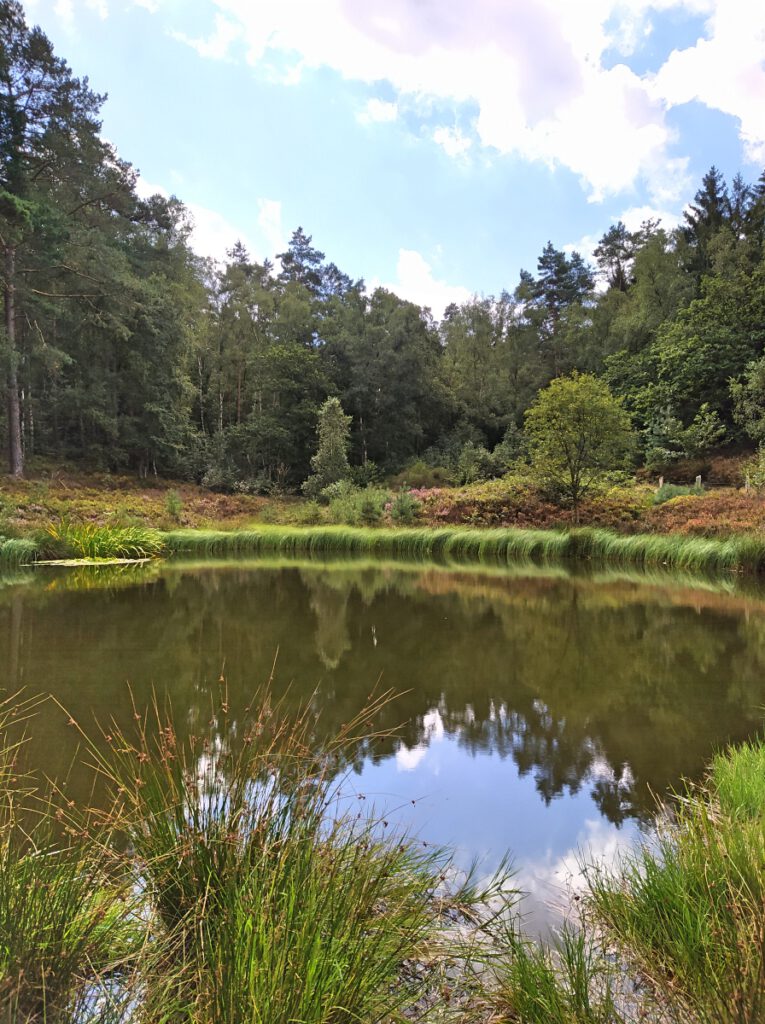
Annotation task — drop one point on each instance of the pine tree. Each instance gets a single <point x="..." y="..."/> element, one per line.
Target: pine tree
<point x="330" y="463"/>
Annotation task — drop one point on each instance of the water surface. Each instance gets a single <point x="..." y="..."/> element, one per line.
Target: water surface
<point x="541" y="711"/>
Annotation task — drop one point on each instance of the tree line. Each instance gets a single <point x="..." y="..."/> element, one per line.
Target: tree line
<point x="123" y="349"/>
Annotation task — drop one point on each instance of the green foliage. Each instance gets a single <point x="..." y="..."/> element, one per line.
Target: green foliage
<point x="404" y="508"/>
<point x="754" y="469"/>
<point x="669" y="491"/>
<point x="687" y="910"/>
<point x="352" y="506"/>
<point x="330" y="463"/>
<point x="86" y="540"/>
<point x="174" y="505"/>
<point x="474" y="463"/>
<point x="748" y="396"/>
<point x="479" y="546"/>
<point x="570" y="982"/>
<point x="422" y="474"/>
<point x="67" y="925"/>
<point x="577" y="433"/>
<point x="16" y="551"/>
<point x="266" y="904"/>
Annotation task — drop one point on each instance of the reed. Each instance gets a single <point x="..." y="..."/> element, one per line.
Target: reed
<point x="480" y="546"/>
<point x="15" y="551"/>
<point x="270" y="902"/>
<point x="67" y="926"/>
<point x="66" y="539"/>
<point x="688" y="911"/>
<point x="566" y="982"/>
<point x="452" y="544"/>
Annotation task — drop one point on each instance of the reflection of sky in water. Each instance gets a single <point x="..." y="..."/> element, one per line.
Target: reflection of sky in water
<point x="539" y="711"/>
<point x="480" y="807"/>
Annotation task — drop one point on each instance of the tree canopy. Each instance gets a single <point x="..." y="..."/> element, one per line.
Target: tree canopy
<point x="122" y="349"/>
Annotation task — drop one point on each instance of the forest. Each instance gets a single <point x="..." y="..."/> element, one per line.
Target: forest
<point x="123" y="350"/>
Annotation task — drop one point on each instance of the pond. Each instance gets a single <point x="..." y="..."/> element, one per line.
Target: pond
<point x="541" y="711"/>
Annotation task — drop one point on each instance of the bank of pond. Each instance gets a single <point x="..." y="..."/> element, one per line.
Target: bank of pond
<point x="484" y="546"/>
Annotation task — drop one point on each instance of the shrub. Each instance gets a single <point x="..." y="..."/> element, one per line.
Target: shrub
<point x="370" y="510"/>
<point x="404" y="508"/>
<point x="668" y="491"/>
<point x="174" y="505"/>
<point x="420" y="474"/>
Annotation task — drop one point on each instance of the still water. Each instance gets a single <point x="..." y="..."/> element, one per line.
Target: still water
<point x="540" y="711"/>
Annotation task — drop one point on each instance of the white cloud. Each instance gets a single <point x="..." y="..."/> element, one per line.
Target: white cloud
<point x="271" y="227"/>
<point x="64" y="9"/>
<point x="535" y="72"/>
<point x="416" y="283"/>
<point x="725" y="71"/>
<point x="408" y="758"/>
<point x="377" y="111"/>
<point x="452" y="141"/>
<point x="212" y="233"/>
<point x="636" y="215"/>
<point x="217" y="45"/>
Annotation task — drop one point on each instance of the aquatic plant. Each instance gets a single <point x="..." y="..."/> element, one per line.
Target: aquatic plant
<point x="67" y="925"/>
<point x="271" y="901"/>
<point x="15" y="551"/>
<point x="67" y="539"/>
<point x="567" y="982"/>
<point x="688" y="910"/>
<point x="484" y="546"/>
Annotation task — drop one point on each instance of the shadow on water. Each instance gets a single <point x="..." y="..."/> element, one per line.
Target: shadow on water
<point x="541" y="709"/>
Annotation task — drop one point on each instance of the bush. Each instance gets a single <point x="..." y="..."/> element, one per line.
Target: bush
<point x="370" y="510"/>
<point x="668" y="491"/>
<point x="420" y="474"/>
<point x="350" y="506"/>
<point x="308" y="514"/>
<point x="174" y="505"/>
<point x="404" y="508"/>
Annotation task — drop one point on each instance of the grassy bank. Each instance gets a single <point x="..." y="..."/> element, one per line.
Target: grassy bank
<point x="486" y="546"/>
<point x="455" y="545"/>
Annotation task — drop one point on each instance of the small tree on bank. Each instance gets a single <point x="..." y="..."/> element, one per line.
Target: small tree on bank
<point x="577" y="431"/>
<point x="330" y="463"/>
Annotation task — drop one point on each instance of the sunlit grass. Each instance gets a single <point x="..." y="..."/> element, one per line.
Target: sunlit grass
<point x="15" y="551"/>
<point x="66" y="539"/>
<point x="480" y="546"/>
<point x="566" y="982"/>
<point x="688" y="911"/>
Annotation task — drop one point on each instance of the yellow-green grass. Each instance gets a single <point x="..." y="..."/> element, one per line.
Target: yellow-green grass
<point x="480" y="546"/>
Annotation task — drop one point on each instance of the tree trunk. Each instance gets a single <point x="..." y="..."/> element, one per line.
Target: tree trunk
<point x="15" y="451"/>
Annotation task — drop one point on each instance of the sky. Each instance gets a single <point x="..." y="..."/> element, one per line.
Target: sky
<point x="429" y="146"/>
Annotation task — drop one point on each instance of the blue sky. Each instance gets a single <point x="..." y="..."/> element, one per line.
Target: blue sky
<point x="432" y="146"/>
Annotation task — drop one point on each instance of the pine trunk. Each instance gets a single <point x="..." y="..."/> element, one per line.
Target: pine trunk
<point x="15" y="450"/>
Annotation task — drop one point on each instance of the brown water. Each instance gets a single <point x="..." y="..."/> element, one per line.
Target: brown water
<point x="541" y="710"/>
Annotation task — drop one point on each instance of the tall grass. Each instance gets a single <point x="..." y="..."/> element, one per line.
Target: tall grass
<point x="567" y="982"/>
<point x="689" y="910"/>
<point x="67" y="539"/>
<point x="67" y="926"/>
<point x="486" y="546"/>
<point x="271" y="904"/>
<point x="15" y="552"/>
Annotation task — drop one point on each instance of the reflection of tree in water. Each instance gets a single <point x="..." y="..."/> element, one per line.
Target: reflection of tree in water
<point x="330" y="606"/>
<point x="618" y="688"/>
